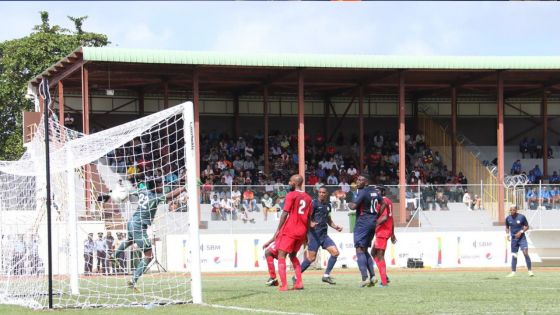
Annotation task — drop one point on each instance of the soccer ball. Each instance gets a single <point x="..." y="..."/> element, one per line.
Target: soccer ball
<point x="119" y="194"/>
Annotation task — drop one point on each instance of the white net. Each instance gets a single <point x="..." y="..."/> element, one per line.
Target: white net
<point x="119" y="216"/>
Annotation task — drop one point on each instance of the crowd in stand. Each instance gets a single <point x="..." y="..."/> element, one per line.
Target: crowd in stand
<point x="227" y="161"/>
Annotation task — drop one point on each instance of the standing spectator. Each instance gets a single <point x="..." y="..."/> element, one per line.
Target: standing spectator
<point x="110" y="249"/>
<point x="101" y="252"/>
<point x="538" y="174"/>
<point x="524" y="147"/>
<point x="89" y="246"/>
<point x="19" y="254"/>
<point x="533" y="147"/>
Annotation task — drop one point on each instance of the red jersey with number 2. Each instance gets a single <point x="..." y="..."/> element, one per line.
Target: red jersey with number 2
<point x="386" y="228"/>
<point x="298" y="204"/>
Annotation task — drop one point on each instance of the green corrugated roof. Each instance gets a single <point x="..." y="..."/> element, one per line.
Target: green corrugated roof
<point x="321" y="61"/>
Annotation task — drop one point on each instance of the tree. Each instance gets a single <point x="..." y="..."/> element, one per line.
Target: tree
<point x="23" y="58"/>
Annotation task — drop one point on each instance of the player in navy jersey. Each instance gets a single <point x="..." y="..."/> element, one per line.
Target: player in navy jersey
<point x="317" y="235"/>
<point x="366" y="202"/>
<point x="516" y="226"/>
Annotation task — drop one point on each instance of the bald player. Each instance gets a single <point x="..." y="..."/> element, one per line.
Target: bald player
<point x="292" y="230"/>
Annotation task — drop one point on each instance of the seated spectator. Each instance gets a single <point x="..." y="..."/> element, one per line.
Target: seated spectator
<point x="428" y="201"/>
<point x="545" y="198"/>
<point x="477" y="201"/>
<point x="268" y="205"/>
<point x="217" y="213"/>
<point x="516" y="168"/>
<point x="532" y="199"/>
<point x="249" y="202"/>
<point x="549" y="153"/>
<point x="344" y="186"/>
<point x="555" y="195"/>
<point x="441" y="199"/>
<point x="554" y="179"/>
<point x="332" y="180"/>
<point x="228" y="208"/>
<point x="468" y="201"/>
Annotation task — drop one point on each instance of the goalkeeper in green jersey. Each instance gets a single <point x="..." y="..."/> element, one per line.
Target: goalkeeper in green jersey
<point x="148" y="200"/>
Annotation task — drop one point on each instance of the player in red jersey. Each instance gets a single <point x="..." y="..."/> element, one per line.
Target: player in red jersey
<point x="385" y="229"/>
<point x="271" y="253"/>
<point x="292" y="230"/>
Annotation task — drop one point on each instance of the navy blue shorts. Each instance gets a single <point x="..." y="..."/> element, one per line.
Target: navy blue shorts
<point x="518" y="243"/>
<point x="318" y="240"/>
<point x="364" y="232"/>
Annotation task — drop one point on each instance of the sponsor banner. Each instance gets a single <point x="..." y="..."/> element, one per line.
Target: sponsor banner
<point x="231" y="252"/>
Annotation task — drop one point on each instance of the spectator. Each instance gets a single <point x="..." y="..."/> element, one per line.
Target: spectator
<point x="228" y="208"/>
<point x="332" y="180"/>
<point x="216" y="213"/>
<point x="533" y="148"/>
<point x="101" y="251"/>
<point x="249" y="202"/>
<point x="524" y="147"/>
<point x="538" y="174"/>
<point x="516" y="168"/>
<point x="89" y="247"/>
<point x="344" y="186"/>
<point x="468" y="201"/>
<point x="554" y="179"/>
<point x="268" y="205"/>
<point x="532" y="199"/>
<point x="545" y="198"/>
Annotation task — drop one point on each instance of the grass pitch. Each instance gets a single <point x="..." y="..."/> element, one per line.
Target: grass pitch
<point x="429" y="291"/>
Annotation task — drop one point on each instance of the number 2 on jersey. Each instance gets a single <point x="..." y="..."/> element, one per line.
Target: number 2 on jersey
<point x="301" y="209"/>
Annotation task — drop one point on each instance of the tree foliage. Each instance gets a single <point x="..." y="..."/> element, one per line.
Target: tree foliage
<point x="23" y="58"/>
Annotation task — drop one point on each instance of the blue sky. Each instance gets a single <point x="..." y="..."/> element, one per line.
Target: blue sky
<point x="391" y="28"/>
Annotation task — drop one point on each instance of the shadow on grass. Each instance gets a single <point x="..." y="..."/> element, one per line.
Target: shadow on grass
<point x="235" y="296"/>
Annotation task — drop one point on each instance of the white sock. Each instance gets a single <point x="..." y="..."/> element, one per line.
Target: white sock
<point x="326" y="275"/>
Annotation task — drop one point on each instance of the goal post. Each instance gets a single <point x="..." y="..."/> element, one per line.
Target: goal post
<point x="193" y="202"/>
<point x="125" y="217"/>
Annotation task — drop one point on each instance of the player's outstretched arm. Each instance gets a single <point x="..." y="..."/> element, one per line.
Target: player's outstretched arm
<point x="174" y="193"/>
<point x="333" y="225"/>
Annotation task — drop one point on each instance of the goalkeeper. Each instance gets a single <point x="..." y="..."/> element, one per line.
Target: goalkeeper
<point x="137" y="226"/>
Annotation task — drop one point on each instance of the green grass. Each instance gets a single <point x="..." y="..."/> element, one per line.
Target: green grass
<point x="411" y="292"/>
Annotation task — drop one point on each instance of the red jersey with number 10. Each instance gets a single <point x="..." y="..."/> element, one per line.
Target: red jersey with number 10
<point x="386" y="228"/>
<point x="298" y="204"/>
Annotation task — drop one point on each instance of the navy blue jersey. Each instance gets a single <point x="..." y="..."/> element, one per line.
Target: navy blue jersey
<point x="366" y="201"/>
<point x="516" y="223"/>
<point x="321" y="213"/>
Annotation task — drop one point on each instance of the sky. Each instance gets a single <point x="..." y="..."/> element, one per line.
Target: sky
<point x="372" y="28"/>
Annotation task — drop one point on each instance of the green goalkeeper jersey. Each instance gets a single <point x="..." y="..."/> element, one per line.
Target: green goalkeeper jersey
<point x="147" y="207"/>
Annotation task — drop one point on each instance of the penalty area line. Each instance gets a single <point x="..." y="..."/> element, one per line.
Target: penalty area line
<point x="254" y="310"/>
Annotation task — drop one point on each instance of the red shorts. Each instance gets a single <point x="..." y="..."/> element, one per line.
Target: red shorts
<point x="288" y="244"/>
<point x="380" y="242"/>
<point x="273" y="250"/>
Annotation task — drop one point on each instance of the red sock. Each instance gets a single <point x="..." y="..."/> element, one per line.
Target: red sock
<point x="382" y="270"/>
<point x="282" y="272"/>
<point x="297" y="268"/>
<point x="270" y="264"/>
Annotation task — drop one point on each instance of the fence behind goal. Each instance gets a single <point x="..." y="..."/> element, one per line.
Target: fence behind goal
<point x="108" y="191"/>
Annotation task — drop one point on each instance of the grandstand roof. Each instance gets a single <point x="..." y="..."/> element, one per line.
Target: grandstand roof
<point x="321" y="61"/>
<point x="132" y="68"/>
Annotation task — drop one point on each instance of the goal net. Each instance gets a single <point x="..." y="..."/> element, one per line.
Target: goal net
<point x="122" y="200"/>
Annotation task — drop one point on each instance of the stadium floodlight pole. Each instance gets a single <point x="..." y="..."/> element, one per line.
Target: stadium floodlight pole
<point x="46" y="95"/>
<point x="193" y="202"/>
